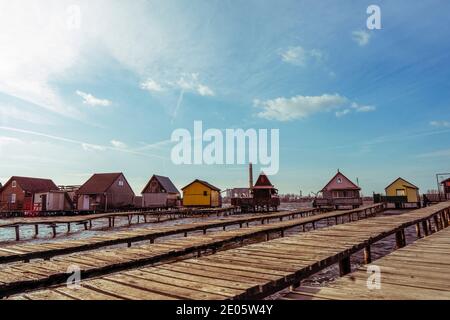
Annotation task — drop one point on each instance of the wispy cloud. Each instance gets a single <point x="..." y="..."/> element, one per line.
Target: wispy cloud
<point x="9" y="140"/>
<point x="361" y="37"/>
<point x="90" y="100"/>
<point x="118" y="144"/>
<point x="445" y="124"/>
<point x="445" y="153"/>
<point x="152" y="86"/>
<point x="300" y="107"/>
<point x="83" y="144"/>
<point x="299" y="56"/>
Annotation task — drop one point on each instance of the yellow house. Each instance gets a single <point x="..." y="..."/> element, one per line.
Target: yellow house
<point x="200" y="193"/>
<point x="401" y="187"/>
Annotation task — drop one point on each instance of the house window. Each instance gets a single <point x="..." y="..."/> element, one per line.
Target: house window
<point x="120" y="183"/>
<point x="13" y="198"/>
<point x="13" y="184"/>
<point x="339" y="180"/>
<point x="400" y="192"/>
<point x="205" y="193"/>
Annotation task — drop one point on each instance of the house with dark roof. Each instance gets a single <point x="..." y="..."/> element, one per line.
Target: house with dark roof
<point x="20" y="193"/>
<point x="159" y="192"/>
<point x="340" y="191"/>
<point x="446" y="188"/>
<point x="200" y="193"/>
<point x="105" y="191"/>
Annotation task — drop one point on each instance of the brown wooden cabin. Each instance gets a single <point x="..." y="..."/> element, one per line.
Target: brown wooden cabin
<point x="339" y="191"/>
<point x="264" y="197"/>
<point x="105" y="191"/>
<point x="20" y="193"/>
<point x="160" y="192"/>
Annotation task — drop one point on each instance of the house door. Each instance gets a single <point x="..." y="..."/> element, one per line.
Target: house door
<point x="44" y="202"/>
<point x="85" y="202"/>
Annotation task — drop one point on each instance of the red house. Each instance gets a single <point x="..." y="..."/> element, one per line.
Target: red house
<point x="19" y="192"/>
<point x="340" y="191"/>
<point x="104" y="191"/>
<point x="446" y="187"/>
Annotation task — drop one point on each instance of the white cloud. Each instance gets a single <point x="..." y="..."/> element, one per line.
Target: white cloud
<point x="92" y="147"/>
<point x="360" y="108"/>
<point x="90" y="100"/>
<point x="361" y="37"/>
<point x="436" y="154"/>
<point x="186" y="83"/>
<point x="204" y="90"/>
<point x="445" y="124"/>
<point x="298" y="107"/>
<point x="152" y="86"/>
<point x="118" y="144"/>
<point x="299" y="56"/>
<point x="342" y="113"/>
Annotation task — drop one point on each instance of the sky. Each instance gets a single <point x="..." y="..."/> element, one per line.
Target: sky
<point x="100" y="86"/>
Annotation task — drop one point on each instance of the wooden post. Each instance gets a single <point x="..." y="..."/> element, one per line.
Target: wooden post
<point x="90" y="224"/>
<point x="68" y="227"/>
<point x="418" y="230"/>
<point x="185" y="234"/>
<point x="53" y="226"/>
<point x="444" y="220"/>
<point x="344" y="266"/>
<point x="282" y="233"/>
<point x="367" y="255"/>
<point x="336" y="220"/>
<point x="204" y="231"/>
<point x="267" y="236"/>
<point x="224" y="228"/>
<point x="425" y="227"/>
<point x="110" y="221"/>
<point x="17" y="233"/>
<point x="152" y="241"/>
<point x="36" y="230"/>
<point x="314" y="225"/>
<point x="399" y="239"/>
<point x="129" y="244"/>
<point x="436" y="223"/>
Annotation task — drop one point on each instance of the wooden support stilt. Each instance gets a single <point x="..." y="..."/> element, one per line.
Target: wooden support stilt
<point x="152" y="241"/>
<point x="367" y="255"/>
<point x="204" y="231"/>
<point x="110" y="222"/>
<point x="418" y="230"/>
<point x="68" y="227"/>
<point x="36" y="230"/>
<point x="399" y="239"/>
<point x="129" y="244"/>
<point x="436" y="223"/>
<point x="53" y="226"/>
<point x="344" y="266"/>
<point x="425" y="227"/>
<point x="314" y="225"/>
<point x="224" y="228"/>
<point x="267" y="236"/>
<point x="90" y="224"/>
<point x="17" y="233"/>
<point x="185" y="234"/>
<point x="336" y="220"/>
<point x="282" y="233"/>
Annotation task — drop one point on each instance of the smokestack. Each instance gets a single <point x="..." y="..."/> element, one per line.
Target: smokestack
<point x="250" y="175"/>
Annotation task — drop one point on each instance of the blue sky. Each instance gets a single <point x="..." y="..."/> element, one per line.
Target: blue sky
<point x="103" y="91"/>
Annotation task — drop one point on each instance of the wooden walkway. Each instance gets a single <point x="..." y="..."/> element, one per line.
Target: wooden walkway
<point x="417" y="271"/>
<point x="24" y="276"/>
<point x="26" y="252"/>
<point x="86" y="220"/>
<point x="253" y="271"/>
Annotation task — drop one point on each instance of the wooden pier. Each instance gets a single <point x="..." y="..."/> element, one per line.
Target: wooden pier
<point x="86" y="220"/>
<point x="24" y="276"/>
<point x="257" y="270"/>
<point x="417" y="271"/>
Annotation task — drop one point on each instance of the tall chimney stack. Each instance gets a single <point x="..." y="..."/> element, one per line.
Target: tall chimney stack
<point x="250" y="174"/>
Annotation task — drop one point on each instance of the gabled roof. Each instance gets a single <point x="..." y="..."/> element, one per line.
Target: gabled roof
<point x="446" y="180"/>
<point x="99" y="183"/>
<point x="165" y="182"/>
<point x="204" y="183"/>
<point x="344" y="184"/>
<point x="405" y="184"/>
<point x="263" y="182"/>
<point x="33" y="185"/>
